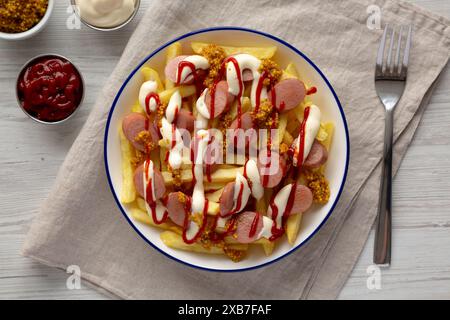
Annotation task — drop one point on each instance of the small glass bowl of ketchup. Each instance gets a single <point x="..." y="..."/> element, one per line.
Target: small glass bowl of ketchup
<point x="50" y="89"/>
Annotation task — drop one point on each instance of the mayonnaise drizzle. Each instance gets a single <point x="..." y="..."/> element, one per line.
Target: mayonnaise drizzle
<point x="147" y="88"/>
<point x="280" y="201"/>
<point x="266" y="231"/>
<point x="312" y="127"/>
<point x="198" y="195"/>
<point x="198" y="61"/>
<point x="252" y="173"/>
<point x="201" y="106"/>
<point x="173" y="107"/>
<point x="176" y="152"/>
<point x="244" y="195"/>
<point x="245" y="61"/>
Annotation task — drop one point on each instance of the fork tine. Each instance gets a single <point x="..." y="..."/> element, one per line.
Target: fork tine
<point x="397" y="65"/>
<point x="407" y="48"/>
<point x="379" y="66"/>
<point x="389" y="58"/>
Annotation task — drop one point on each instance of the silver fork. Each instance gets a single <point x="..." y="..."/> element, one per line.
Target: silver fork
<point x="390" y="80"/>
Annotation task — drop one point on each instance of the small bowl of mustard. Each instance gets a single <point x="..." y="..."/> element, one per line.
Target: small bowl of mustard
<point x="19" y="21"/>
<point x="106" y="15"/>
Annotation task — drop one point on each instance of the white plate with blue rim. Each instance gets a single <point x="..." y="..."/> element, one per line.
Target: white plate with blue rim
<point x="325" y="98"/>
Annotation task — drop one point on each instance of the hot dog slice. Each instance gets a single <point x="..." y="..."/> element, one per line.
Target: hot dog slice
<point x="160" y="187"/>
<point x="246" y="121"/>
<point x="221" y="99"/>
<point x="303" y="199"/>
<point x="271" y="169"/>
<point x="317" y="156"/>
<point x="288" y="94"/>
<point x="133" y="124"/>
<point x="185" y="120"/>
<point x="171" y="69"/>
<point x="249" y="226"/>
<point x="226" y="200"/>
<point x="176" y="207"/>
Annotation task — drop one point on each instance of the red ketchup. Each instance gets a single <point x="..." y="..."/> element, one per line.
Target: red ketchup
<point x="50" y="88"/>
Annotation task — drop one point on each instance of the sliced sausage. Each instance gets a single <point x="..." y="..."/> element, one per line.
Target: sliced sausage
<point x="176" y="207"/>
<point x="317" y="156"/>
<point x="133" y="124"/>
<point x="171" y="69"/>
<point x="303" y="199"/>
<point x="185" y="120"/>
<point x="247" y="75"/>
<point x="288" y="94"/>
<point x="160" y="187"/>
<point x="246" y="121"/>
<point x="226" y="200"/>
<point x="271" y="172"/>
<point x="221" y="99"/>
<point x="249" y="225"/>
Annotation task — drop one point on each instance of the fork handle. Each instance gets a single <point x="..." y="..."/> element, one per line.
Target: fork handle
<point x="383" y="231"/>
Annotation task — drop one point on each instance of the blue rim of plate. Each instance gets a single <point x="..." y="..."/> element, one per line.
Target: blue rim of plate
<point x="181" y="38"/>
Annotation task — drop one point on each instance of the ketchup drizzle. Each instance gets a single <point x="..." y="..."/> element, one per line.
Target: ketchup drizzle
<point x="299" y="153"/>
<point x="311" y="90"/>
<point x="254" y="225"/>
<point x="278" y="231"/>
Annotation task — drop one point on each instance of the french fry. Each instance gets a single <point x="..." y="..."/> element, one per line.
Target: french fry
<point x="291" y="69"/>
<point x="185" y="91"/>
<point x="137" y="108"/>
<point x="214" y="196"/>
<point x="292" y="227"/>
<point x="261" y="206"/>
<point x="213" y="206"/>
<point x="282" y="123"/>
<point x="152" y="75"/>
<point x="162" y="158"/>
<point x="174" y="50"/>
<point x="214" y="185"/>
<point x="128" y="192"/>
<point x="258" y="52"/>
<point x="175" y="241"/>
<point x="287" y="138"/>
<point x="218" y="176"/>
<point x="267" y="245"/>
<point x="329" y="128"/>
<point x="142" y="216"/>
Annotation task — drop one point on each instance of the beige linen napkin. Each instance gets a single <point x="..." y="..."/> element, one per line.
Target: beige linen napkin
<point x="79" y="223"/>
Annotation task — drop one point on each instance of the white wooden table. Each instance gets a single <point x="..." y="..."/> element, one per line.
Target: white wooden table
<point x="31" y="154"/>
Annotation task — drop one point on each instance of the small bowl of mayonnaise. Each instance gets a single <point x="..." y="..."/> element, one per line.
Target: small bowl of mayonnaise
<point x="106" y="15"/>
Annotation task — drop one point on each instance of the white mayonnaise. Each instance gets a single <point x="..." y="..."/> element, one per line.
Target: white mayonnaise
<point x="147" y="88"/>
<point x="251" y="169"/>
<point x="198" y="61"/>
<point x="245" y="61"/>
<point x="266" y="231"/>
<point x="173" y="107"/>
<point x="280" y="201"/>
<point x="105" y="13"/>
<point x="176" y="152"/>
<point x="312" y="127"/>
<point x="198" y="195"/>
<point x="151" y="176"/>
<point x="201" y="106"/>
<point x="240" y="181"/>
